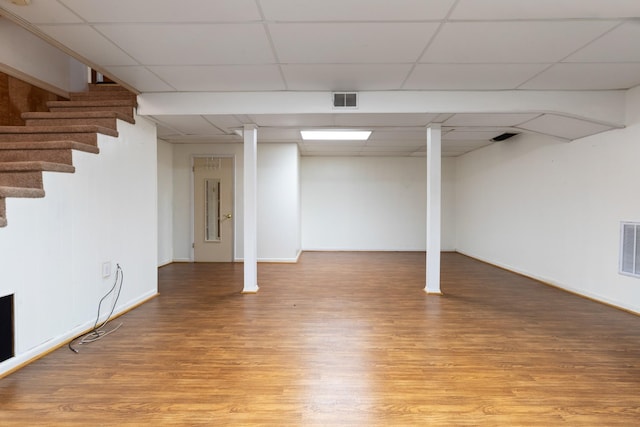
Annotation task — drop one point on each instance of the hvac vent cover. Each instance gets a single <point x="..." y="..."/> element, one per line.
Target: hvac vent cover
<point x="504" y="136"/>
<point x="345" y="100"/>
<point x="630" y="249"/>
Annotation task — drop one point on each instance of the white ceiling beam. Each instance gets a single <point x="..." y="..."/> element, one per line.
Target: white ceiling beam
<point x="605" y="107"/>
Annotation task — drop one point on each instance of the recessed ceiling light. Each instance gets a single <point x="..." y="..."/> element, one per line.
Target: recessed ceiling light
<point x="335" y="135"/>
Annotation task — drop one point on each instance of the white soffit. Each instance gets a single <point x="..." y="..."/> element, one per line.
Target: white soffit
<point x="390" y="119"/>
<point x="345" y="77"/>
<point x="544" y="9"/>
<point x="502" y="120"/>
<point x="88" y="43"/>
<point x="338" y="43"/>
<point x="164" y="10"/>
<point x="140" y="78"/>
<point x="512" y="42"/>
<point x="471" y="76"/>
<point x="355" y="10"/>
<point x="221" y="78"/>
<point x="293" y="120"/>
<point x="192" y="44"/>
<point x="563" y="127"/>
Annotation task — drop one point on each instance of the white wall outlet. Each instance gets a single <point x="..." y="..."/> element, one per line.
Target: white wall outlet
<point x="106" y="269"/>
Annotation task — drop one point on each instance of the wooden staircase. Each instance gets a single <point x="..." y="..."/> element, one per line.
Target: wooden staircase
<point x="46" y="142"/>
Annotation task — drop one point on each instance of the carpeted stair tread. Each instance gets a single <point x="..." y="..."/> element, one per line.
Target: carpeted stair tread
<point x="58" y="129"/>
<point x="35" y="166"/>
<point x="28" y="193"/>
<point x="72" y="118"/>
<point x="76" y="115"/>
<point x="49" y="145"/>
<point x="104" y="95"/>
<point x="91" y="103"/>
<point x="107" y="87"/>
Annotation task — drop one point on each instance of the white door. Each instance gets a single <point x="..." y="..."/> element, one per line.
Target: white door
<point x="213" y="202"/>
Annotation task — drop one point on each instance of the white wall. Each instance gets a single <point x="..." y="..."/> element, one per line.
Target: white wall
<point x="371" y="203"/>
<point x="52" y="250"/>
<point x="165" y="202"/>
<point x="29" y="58"/>
<point x="278" y="199"/>
<point x="552" y="210"/>
<point x="278" y="202"/>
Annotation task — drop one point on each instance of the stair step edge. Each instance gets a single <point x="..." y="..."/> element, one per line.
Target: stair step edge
<point x="33" y="166"/>
<point x="21" y="192"/>
<point x="49" y="145"/>
<point x="92" y="103"/>
<point x="73" y="115"/>
<point x="58" y="129"/>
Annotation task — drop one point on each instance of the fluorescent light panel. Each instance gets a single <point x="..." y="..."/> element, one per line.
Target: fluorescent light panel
<point x="335" y="135"/>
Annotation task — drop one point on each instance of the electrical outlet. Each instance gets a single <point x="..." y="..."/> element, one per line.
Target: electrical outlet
<point x="106" y="269"/>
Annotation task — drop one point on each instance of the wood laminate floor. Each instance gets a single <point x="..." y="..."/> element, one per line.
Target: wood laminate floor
<point x="344" y="339"/>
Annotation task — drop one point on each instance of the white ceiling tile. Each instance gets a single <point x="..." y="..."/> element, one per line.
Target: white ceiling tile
<point x="221" y="77"/>
<point x="390" y="119"/>
<point x="278" y="134"/>
<point x="345" y="77"/>
<point x="355" y="10"/>
<point x="512" y="42"/>
<point x="389" y="148"/>
<point x="293" y="120"/>
<point x="368" y="153"/>
<point x="415" y="143"/>
<point x="470" y="76"/>
<point x="477" y="119"/>
<point x="462" y="135"/>
<point x="614" y="46"/>
<point x="87" y="42"/>
<point x="45" y="12"/>
<point x="400" y="134"/>
<point x="224" y="122"/>
<point x="192" y="44"/>
<point x="574" y="76"/>
<point x="544" y="9"/>
<point x="140" y="78"/>
<point x="563" y="127"/>
<point x="189" y="125"/>
<point x="342" y="43"/>
<point x="165" y="10"/>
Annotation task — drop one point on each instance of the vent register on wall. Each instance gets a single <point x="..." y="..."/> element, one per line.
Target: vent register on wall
<point x="630" y="249"/>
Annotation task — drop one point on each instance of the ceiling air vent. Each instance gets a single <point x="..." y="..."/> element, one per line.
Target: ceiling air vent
<point x="345" y="100"/>
<point x="504" y="136"/>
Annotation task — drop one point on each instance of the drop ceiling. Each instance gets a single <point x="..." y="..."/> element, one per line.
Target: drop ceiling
<point x="355" y="45"/>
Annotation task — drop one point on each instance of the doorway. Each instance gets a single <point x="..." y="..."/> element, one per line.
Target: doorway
<point x="213" y="209"/>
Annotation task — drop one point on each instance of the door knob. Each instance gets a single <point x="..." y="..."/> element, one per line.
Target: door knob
<point x="228" y="216"/>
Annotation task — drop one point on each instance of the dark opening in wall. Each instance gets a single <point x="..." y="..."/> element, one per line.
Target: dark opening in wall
<point x="6" y="328"/>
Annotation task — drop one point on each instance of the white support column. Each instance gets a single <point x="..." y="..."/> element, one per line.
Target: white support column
<point x="250" y="209"/>
<point x="434" y="182"/>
